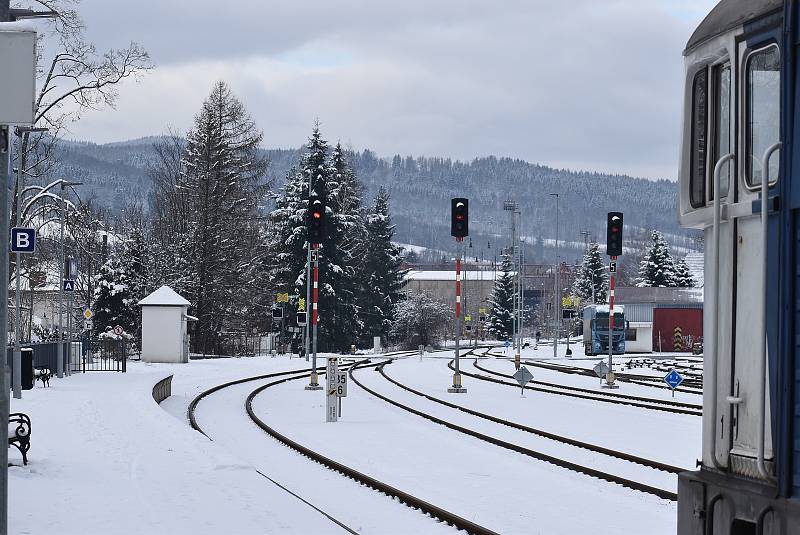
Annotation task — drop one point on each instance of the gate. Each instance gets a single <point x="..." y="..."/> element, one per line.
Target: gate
<point x="98" y="356"/>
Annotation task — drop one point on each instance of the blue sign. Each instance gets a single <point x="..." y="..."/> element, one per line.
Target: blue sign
<point x="673" y="379"/>
<point x="23" y="240"/>
<point x="69" y="285"/>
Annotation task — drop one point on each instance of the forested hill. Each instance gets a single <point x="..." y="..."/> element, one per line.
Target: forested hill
<point x="422" y="187"/>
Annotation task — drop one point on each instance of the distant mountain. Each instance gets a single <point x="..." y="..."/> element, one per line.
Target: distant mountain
<point x="421" y="188"/>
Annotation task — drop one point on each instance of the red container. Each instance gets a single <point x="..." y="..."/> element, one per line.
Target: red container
<point x="676" y="329"/>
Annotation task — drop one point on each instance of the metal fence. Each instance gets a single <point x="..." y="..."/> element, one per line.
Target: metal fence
<point x="45" y="355"/>
<point x="79" y="356"/>
<point x="99" y="355"/>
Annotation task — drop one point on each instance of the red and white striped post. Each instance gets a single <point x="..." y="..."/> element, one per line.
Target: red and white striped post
<point x="610" y="378"/>
<point x="313" y="294"/>
<point x="315" y="300"/>
<point x="457" y="388"/>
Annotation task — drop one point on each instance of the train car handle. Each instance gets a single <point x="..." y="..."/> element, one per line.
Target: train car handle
<point x="711" y="428"/>
<point x="762" y="365"/>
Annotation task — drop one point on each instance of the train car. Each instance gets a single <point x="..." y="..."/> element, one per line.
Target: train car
<point x="737" y="184"/>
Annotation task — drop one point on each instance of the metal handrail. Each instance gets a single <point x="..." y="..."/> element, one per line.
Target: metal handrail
<point x="762" y="365"/>
<point x="711" y="428"/>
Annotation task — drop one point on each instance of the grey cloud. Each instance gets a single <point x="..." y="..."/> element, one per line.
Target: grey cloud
<point x="588" y="83"/>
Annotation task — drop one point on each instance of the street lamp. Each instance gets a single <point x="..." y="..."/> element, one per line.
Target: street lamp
<point x="557" y="284"/>
<point x="22" y="132"/>
<point x="513" y="207"/>
<point x="60" y="365"/>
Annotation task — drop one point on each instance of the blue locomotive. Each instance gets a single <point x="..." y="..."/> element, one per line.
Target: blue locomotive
<point x="737" y="184"/>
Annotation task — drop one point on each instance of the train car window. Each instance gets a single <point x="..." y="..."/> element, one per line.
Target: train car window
<point x="697" y="174"/>
<point x="722" y="125"/>
<point x="763" y="99"/>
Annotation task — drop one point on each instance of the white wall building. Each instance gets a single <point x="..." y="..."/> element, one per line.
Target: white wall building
<point x="164" y="318"/>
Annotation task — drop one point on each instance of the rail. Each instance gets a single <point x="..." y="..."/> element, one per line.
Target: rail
<point x="404" y="497"/>
<point x="569" y="465"/>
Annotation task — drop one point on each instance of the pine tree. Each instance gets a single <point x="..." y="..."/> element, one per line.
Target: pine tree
<point x="501" y="315"/>
<point x="223" y="183"/>
<point x="348" y="218"/>
<point x="289" y="235"/>
<point x="683" y="277"/>
<point x="113" y="303"/>
<point x="338" y="316"/>
<point x="591" y="282"/>
<point x="382" y="275"/>
<point x="657" y="268"/>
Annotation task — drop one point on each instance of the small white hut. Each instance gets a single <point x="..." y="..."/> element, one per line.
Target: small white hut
<point x="164" y="317"/>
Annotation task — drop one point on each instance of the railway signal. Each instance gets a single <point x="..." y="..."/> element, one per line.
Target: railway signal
<point x="613" y="249"/>
<point x="316" y="220"/>
<point x="459" y="218"/>
<point x="614" y="234"/>
<point x="459" y="229"/>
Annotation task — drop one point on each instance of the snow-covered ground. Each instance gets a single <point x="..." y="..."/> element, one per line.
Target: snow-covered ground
<point x="116" y="462"/>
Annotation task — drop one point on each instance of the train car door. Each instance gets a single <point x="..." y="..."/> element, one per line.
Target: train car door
<point x="759" y="129"/>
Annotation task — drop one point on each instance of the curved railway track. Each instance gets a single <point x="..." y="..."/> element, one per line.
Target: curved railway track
<point x="569" y="465"/>
<point x="604" y="393"/>
<point x="404" y="497"/>
<point x="653" y="406"/>
<point x="546" y="434"/>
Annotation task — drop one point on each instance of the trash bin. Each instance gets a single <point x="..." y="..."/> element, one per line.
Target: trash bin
<point x="27" y="368"/>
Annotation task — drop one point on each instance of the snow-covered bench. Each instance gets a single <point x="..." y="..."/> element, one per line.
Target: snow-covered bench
<point x="19" y="433"/>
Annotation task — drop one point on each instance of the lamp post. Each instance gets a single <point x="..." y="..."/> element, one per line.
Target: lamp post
<point x="513" y="207"/>
<point x="22" y="132"/>
<point x="557" y="285"/>
<point x="60" y="348"/>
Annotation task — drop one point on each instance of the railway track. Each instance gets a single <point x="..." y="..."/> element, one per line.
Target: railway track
<point x="643" y="380"/>
<point x="546" y="434"/>
<point x="364" y="479"/>
<point x="651" y="404"/>
<point x="563" y="463"/>
<point x="615" y="395"/>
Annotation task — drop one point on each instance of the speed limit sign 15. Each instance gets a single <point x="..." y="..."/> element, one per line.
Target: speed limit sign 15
<point x="341" y="384"/>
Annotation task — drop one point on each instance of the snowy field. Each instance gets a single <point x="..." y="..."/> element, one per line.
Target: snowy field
<point x="116" y="462"/>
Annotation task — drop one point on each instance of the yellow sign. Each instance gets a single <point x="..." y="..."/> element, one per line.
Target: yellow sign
<point x="301" y="304"/>
<point x="570" y="302"/>
<point x="283" y="298"/>
<point x="87" y="314"/>
<point x="467" y="318"/>
<point x="482" y="310"/>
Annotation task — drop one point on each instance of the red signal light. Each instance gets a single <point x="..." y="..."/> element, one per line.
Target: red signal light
<point x="317" y="215"/>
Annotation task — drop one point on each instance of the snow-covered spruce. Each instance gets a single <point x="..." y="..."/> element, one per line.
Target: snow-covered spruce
<point x="591" y="282"/>
<point x="501" y="315"/>
<point x="658" y="267"/>
<point x="381" y="274"/>
<point x="113" y="303"/>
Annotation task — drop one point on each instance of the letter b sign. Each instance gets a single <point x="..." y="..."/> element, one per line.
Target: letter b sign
<point x="23" y="240"/>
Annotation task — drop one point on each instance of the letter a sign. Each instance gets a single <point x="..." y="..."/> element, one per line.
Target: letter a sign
<point x="23" y="240"/>
<point x="69" y="285"/>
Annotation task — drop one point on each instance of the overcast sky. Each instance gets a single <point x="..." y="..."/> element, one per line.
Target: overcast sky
<point x="582" y="84"/>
